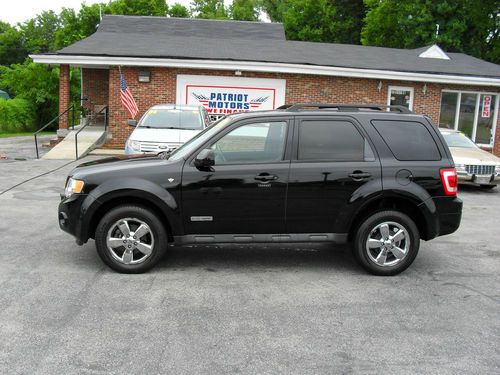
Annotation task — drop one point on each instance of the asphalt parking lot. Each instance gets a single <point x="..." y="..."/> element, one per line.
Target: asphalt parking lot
<point x="234" y="309"/>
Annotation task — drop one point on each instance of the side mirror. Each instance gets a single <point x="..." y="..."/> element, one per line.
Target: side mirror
<point x="132" y="123"/>
<point x="205" y="159"/>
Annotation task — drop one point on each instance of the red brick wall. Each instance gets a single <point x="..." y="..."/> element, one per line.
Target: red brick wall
<point x="299" y="88"/>
<point x="64" y="95"/>
<point x="95" y="86"/>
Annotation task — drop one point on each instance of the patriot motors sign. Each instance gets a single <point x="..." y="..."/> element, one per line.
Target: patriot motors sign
<point x="226" y="95"/>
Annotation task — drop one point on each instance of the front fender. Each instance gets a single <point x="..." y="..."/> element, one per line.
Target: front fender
<point x="123" y="188"/>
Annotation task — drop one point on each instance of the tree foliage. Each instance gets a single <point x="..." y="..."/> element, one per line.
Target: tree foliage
<point x="470" y="26"/>
<point x="244" y="10"/>
<point x="333" y="21"/>
<point x="209" y="9"/>
<point x="178" y="10"/>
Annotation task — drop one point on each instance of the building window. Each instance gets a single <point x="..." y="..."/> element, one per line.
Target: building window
<point x="400" y="96"/>
<point x="473" y="113"/>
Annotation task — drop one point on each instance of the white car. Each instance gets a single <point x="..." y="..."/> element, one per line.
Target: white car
<point x="165" y="127"/>
<point x="473" y="164"/>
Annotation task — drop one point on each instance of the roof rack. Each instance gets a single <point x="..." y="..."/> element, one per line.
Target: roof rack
<point x="344" y="107"/>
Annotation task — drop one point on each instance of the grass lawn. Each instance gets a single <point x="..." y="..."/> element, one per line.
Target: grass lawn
<point x="23" y="134"/>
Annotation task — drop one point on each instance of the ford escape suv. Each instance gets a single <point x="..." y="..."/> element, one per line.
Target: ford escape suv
<point x="378" y="177"/>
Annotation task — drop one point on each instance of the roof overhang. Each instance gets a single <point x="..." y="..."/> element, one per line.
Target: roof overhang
<point x="269" y="67"/>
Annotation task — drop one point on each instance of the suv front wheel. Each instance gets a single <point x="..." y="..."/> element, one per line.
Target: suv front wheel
<point x="130" y="239"/>
<point x="386" y="243"/>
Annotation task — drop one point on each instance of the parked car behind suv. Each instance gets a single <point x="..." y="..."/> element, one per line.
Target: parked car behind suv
<point x="474" y="166"/>
<point x="165" y="127"/>
<point x="304" y="173"/>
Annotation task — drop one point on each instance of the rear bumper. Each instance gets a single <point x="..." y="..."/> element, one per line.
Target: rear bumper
<point x="449" y="210"/>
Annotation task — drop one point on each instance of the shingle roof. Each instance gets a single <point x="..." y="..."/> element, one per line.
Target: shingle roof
<point x="158" y="37"/>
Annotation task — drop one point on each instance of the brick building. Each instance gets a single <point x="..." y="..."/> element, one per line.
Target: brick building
<point x="232" y="65"/>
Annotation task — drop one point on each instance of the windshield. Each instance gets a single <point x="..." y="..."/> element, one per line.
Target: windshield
<point x="172" y="119"/>
<point x="458" y="140"/>
<point x="199" y="139"/>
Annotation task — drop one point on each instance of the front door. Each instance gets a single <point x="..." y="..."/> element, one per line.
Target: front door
<point x="245" y="191"/>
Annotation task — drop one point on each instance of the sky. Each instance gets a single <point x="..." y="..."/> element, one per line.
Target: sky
<point x="14" y="11"/>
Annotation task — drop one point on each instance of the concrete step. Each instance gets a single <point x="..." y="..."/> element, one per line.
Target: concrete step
<point x="88" y="138"/>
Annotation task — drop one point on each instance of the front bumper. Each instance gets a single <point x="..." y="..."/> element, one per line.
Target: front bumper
<point x="70" y="216"/>
<point x="492" y="179"/>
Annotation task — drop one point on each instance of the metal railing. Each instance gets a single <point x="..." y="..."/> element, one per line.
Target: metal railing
<point x="35" y="134"/>
<point x="105" y="110"/>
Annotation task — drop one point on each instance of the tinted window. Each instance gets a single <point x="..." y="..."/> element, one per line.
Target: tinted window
<point x="408" y="140"/>
<point x="330" y="140"/>
<point x="252" y="143"/>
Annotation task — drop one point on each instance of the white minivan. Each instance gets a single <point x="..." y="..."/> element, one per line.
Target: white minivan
<point x="165" y="127"/>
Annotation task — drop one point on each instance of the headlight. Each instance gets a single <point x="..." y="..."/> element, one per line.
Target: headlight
<point x="460" y="167"/>
<point x="134" y="145"/>
<point x="73" y="187"/>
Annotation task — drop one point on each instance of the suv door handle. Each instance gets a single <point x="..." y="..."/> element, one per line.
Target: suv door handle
<point x="266" y="177"/>
<point x="358" y="175"/>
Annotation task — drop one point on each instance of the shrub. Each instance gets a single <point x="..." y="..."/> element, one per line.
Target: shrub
<point x="17" y="115"/>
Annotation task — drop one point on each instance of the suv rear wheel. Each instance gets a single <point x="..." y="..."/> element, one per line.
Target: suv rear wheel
<point x="386" y="243"/>
<point x="130" y="239"/>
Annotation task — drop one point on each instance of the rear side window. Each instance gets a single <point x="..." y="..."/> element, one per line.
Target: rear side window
<point x="408" y="140"/>
<point x="330" y="140"/>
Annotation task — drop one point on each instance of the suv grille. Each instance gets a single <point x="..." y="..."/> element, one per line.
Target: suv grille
<point x="480" y="169"/>
<point x="155" y="146"/>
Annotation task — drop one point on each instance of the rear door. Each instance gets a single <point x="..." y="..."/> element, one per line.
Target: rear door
<point x="333" y="166"/>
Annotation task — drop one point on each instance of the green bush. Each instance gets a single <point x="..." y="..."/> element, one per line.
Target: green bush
<point x="17" y="115"/>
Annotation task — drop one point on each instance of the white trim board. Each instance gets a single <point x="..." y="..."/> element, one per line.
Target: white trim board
<point x="253" y="66"/>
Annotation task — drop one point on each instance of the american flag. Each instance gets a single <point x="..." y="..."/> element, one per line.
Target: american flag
<point x="127" y="99"/>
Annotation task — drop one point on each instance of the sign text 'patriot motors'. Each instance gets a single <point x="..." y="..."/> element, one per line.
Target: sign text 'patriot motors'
<point x="225" y="95"/>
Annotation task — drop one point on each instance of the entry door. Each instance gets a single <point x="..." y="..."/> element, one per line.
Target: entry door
<point x="331" y="163"/>
<point x="245" y="191"/>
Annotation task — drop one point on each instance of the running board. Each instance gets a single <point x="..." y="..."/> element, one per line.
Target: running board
<point x="338" y="238"/>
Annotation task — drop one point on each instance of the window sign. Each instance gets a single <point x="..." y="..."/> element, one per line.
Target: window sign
<point x="486" y="106"/>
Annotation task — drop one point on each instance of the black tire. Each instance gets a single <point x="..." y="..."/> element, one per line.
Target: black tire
<point x="157" y="232"/>
<point x="363" y="232"/>
<point x="487" y="186"/>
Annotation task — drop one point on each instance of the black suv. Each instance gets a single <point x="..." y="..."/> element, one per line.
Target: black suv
<point x="379" y="177"/>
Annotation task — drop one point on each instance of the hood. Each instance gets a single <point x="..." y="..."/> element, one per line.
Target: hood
<point x="116" y="164"/>
<point x="142" y="134"/>
<point x="473" y="156"/>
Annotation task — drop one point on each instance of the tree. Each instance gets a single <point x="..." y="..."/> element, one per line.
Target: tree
<point x="209" y="9"/>
<point x="138" y="7"/>
<point x="469" y="26"/>
<point x="76" y="26"/>
<point x="39" y="32"/>
<point x="244" y="10"/>
<point x="178" y="10"/>
<point x="11" y="45"/>
<point x="334" y="21"/>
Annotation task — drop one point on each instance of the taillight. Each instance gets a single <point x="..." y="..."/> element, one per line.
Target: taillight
<point x="449" y="180"/>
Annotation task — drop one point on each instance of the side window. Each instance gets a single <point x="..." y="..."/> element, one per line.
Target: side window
<point x="332" y="140"/>
<point x="408" y="140"/>
<point x="252" y="143"/>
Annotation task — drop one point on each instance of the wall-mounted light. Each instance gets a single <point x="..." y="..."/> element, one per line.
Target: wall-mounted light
<point x="237" y="73"/>
<point x="379" y="86"/>
<point x="144" y="76"/>
<point x="424" y="89"/>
